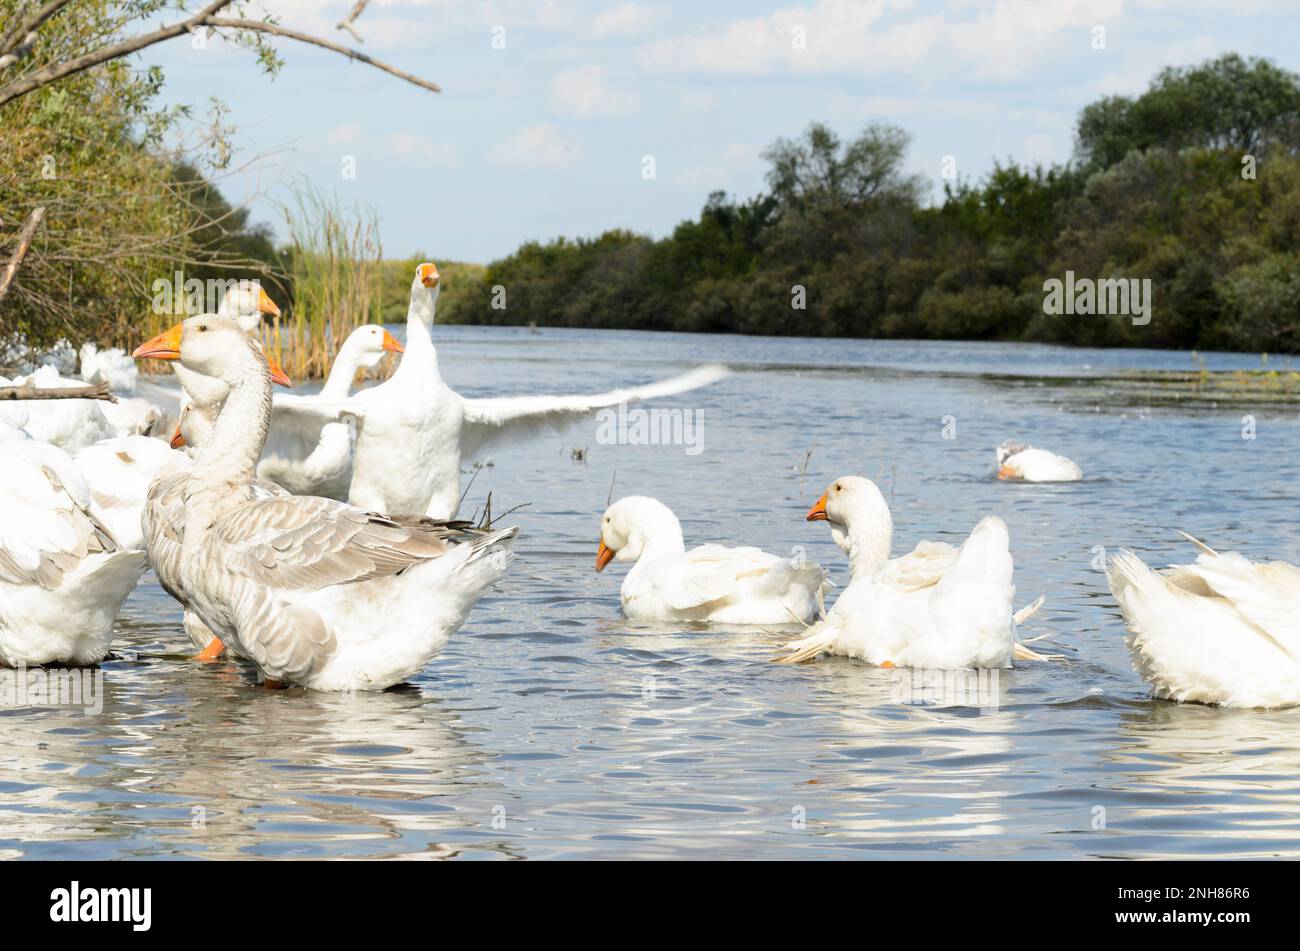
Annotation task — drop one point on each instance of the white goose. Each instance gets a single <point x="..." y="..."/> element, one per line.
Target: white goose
<point x="317" y="592"/>
<point x="121" y="470"/>
<point x="67" y="424"/>
<point x="1222" y="630"/>
<point x="248" y="304"/>
<point x="416" y="430"/>
<point x="63" y="577"/>
<point x="162" y="521"/>
<point x="710" y="583"/>
<point x="939" y="606"/>
<point x="309" y="449"/>
<point x="1022" y="462"/>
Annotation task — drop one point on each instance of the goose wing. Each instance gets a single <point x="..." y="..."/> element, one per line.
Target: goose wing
<point x="922" y="567"/>
<point x="44" y="531"/>
<point x="711" y="573"/>
<point x="306" y="543"/>
<point x="508" y="417"/>
<point x="1264" y="594"/>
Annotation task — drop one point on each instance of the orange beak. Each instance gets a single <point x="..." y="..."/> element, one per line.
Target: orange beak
<point x="391" y="344"/>
<point x="604" y="556"/>
<point x="428" y="274"/>
<point x="265" y="305"/>
<point x="1006" y="472"/>
<point x="165" y="346"/>
<point x="178" y="441"/>
<point x="818" y="512"/>
<point x="277" y="373"/>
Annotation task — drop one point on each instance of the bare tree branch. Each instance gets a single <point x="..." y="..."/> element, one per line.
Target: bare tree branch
<point x="360" y="57"/>
<point x="346" y="24"/>
<point x="99" y="391"/>
<point x="205" y="17"/>
<point x="24" y="242"/>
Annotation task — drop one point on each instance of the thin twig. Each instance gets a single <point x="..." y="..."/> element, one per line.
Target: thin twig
<point x="346" y="24"/>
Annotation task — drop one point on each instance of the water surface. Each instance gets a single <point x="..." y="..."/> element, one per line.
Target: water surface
<point x="551" y="728"/>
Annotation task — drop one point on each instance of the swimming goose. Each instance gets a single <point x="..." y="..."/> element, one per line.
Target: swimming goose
<point x="317" y="592"/>
<point x="311" y="453"/>
<point x="416" y="430"/>
<point x="710" y="583"/>
<point x="939" y="606"/>
<point x="162" y="519"/>
<point x="63" y="577"/>
<point x="162" y="524"/>
<point x="1018" y="461"/>
<point x="1222" y="630"/>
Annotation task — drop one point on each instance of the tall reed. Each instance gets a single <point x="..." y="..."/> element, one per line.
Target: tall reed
<point x="333" y="261"/>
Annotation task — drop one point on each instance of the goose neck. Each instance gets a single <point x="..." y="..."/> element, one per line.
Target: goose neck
<point x="342" y="372"/>
<point x="229" y="459"/>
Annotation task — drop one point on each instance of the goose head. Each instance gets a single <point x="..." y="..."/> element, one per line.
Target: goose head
<point x="201" y="387"/>
<point x="859" y="519"/>
<point x="212" y="345"/>
<point x="363" y="348"/>
<point x="1010" y="448"/>
<point x="634" y="524"/>
<point x="1006" y="452"/>
<point x="367" y="345"/>
<point x="424" y="291"/>
<point x="248" y="303"/>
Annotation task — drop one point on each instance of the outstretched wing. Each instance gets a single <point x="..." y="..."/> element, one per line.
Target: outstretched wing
<point x="310" y="413"/>
<point x="492" y="419"/>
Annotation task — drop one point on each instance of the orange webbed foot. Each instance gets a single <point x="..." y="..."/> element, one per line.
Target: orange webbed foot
<point x="211" y="652"/>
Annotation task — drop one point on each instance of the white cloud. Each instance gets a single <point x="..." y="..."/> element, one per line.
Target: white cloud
<point x="421" y="146"/>
<point x="538" y="146"/>
<point x="583" y="94"/>
<point x="1001" y="39"/>
<point x="626" y="19"/>
<point x="344" y="134"/>
<point x="1136" y="73"/>
<point x="698" y="100"/>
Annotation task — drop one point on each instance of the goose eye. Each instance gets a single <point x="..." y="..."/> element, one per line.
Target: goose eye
<point x="837" y="488"/>
<point x="202" y="327"/>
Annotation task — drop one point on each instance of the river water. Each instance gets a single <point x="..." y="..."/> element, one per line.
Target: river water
<point x="552" y="728"/>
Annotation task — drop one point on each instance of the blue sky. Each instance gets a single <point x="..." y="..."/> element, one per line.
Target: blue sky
<point x="547" y="136"/>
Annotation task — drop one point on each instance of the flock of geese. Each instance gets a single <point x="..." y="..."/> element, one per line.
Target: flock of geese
<point x="316" y="536"/>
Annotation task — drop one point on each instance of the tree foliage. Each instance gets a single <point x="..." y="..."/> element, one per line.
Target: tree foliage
<point x="1161" y="189"/>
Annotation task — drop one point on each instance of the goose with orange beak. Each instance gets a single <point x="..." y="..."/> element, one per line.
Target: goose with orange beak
<point x="310" y="447"/>
<point x="164" y="506"/>
<point x="710" y="584"/>
<point x="317" y="592"/>
<point x="940" y="606"/>
<point x="1019" y="462"/>
<point x="416" y="430"/>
